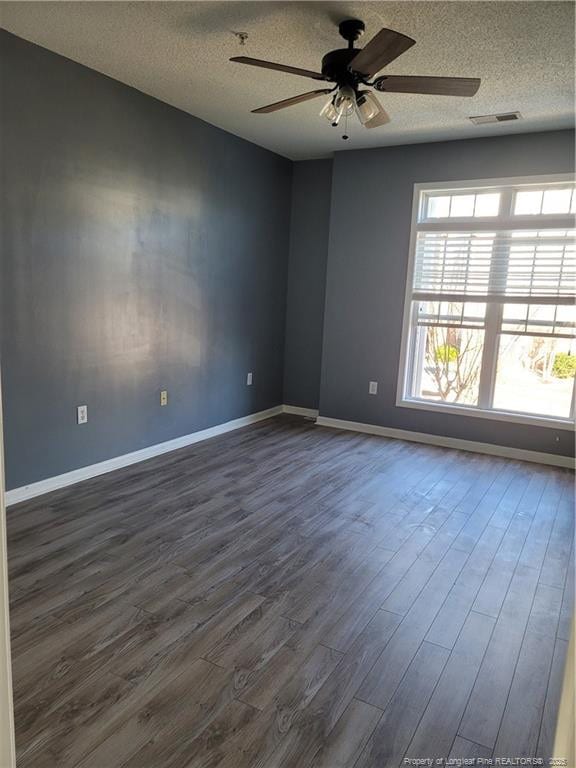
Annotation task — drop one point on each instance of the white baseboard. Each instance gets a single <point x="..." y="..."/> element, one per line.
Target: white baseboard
<point x="449" y="442"/>
<point x="26" y="492"/>
<point x="296" y="410"/>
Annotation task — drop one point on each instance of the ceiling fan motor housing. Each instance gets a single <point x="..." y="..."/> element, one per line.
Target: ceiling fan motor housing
<point x="335" y="67"/>
<point x="335" y="64"/>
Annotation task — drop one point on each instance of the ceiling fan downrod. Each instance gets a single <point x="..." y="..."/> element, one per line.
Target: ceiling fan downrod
<point x="351" y="30"/>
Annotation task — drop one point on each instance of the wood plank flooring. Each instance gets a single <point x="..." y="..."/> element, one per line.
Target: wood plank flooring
<point x="289" y="596"/>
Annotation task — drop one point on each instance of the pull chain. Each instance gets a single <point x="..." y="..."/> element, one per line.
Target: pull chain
<point x="345" y="135"/>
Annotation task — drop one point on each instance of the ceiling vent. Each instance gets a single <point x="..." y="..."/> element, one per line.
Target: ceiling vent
<point x="503" y="117"/>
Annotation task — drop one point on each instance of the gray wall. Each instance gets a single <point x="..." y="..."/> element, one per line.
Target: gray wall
<point x="309" y="228"/>
<point x="368" y="251"/>
<point x="142" y="249"/>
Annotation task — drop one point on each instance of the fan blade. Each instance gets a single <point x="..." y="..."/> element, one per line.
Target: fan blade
<point x="381" y="118"/>
<point x="293" y="100"/>
<point x="279" y="67"/>
<point x="439" y="86"/>
<point x="384" y="47"/>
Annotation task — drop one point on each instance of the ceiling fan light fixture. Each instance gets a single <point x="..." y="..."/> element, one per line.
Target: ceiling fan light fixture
<point x="330" y="112"/>
<point x="345" y="100"/>
<point x="367" y="107"/>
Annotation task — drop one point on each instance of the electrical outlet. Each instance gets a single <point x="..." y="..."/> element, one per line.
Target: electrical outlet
<point x="164" y="397"/>
<point x="249" y="379"/>
<point x="373" y="388"/>
<point x="82" y="414"/>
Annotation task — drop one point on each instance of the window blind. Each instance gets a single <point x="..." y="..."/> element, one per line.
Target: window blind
<point x="511" y="265"/>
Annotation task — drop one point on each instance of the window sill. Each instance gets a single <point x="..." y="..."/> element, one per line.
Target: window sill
<point x="550" y="422"/>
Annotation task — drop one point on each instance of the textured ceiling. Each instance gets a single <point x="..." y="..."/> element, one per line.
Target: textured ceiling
<point x="179" y="51"/>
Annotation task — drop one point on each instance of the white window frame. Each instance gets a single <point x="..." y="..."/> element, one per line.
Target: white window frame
<point x="405" y="373"/>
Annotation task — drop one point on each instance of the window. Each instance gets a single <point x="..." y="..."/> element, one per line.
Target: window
<point x="490" y="318"/>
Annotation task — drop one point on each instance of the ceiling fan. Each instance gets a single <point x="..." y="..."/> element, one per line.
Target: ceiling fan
<point x="350" y="69"/>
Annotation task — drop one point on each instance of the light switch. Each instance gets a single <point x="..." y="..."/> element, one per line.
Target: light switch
<point x="373" y="388"/>
<point x="164" y="397"/>
<point x="82" y="414"/>
<point x="249" y="379"/>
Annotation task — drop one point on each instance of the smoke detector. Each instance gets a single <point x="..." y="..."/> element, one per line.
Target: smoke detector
<point x="503" y="117"/>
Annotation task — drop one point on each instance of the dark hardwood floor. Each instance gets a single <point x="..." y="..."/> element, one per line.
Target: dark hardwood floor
<point x="292" y="596"/>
